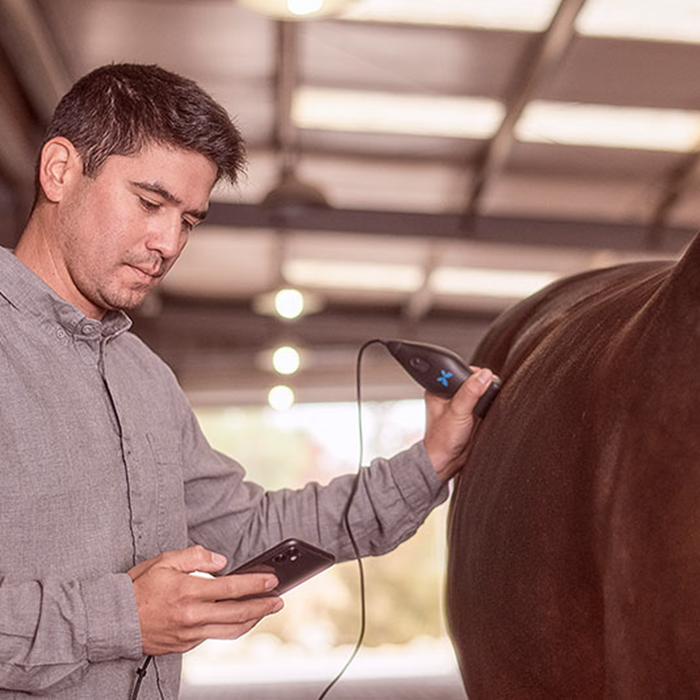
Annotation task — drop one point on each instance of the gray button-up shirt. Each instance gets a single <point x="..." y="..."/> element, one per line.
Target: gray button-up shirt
<point x="103" y="465"/>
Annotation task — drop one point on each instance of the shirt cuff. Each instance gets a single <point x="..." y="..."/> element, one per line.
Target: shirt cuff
<point x="113" y="628"/>
<point x="416" y="478"/>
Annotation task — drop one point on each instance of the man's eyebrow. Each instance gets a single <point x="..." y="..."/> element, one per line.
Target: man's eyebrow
<point x="157" y="188"/>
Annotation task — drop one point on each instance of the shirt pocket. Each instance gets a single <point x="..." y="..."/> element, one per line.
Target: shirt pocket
<point x="171" y="529"/>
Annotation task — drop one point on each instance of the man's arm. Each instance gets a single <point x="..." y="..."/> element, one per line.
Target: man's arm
<point x="178" y="611"/>
<point x="52" y="630"/>
<point x="393" y="497"/>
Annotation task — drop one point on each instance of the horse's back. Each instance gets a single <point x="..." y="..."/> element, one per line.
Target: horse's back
<point x="572" y="530"/>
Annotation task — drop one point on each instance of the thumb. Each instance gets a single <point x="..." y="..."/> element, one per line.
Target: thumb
<point x="196" y="558"/>
<point x="472" y="390"/>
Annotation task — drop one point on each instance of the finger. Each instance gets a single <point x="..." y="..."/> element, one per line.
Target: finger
<point x="230" y="631"/>
<point x="236" y="586"/>
<point x="195" y="558"/>
<point x="236" y="612"/>
<point x="472" y="390"/>
<point x="464" y="400"/>
<point x="225" y="618"/>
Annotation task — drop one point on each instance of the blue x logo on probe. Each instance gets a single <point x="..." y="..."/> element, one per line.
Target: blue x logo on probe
<point x="444" y="377"/>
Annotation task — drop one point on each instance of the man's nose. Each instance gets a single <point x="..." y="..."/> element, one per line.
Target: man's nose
<point x="167" y="238"/>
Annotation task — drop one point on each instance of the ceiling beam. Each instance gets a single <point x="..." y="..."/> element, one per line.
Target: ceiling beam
<point x="32" y="79"/>
<point x="290" y="193"/>
<point x="671" y="191"/>
<point x="17" y="147"/>
<point x="34" y="55"/>
<point x="420" y="302"/>
<point x="548" y="52"/>
<point x="286" y="70"/>
<point x="490" y="229"/>
<point x="219" y="358"/>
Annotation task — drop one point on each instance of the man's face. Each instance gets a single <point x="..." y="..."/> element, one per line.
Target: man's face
<point x="120" y="232"/>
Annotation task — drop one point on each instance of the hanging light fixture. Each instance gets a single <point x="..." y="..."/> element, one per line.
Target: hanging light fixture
<point x="292" y="196"/>
<point x="297" y="9"/>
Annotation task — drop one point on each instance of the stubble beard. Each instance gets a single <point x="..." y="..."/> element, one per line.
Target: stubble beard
<point x="117" y="296"/>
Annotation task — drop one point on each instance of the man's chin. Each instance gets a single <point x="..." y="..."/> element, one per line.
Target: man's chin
<point x="125" y="302"/>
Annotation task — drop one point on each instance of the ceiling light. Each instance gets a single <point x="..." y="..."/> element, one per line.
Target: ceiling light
<point x="286" y="360"/>
<point x="656" y="20"/>
<point x="401" y="278"/>
<point x="289" y="303"/>
<point x="281" y="397"/>
<point x="514" y="15"/>
<point x="354" y="275"/>
<point x="297" y="9"/>
<point x="291" y="196"/>
<point x="466" y="281"/>
<point x="607" y="126"/>
<point x="379" y="112"/>
<point x="304" y="7"/>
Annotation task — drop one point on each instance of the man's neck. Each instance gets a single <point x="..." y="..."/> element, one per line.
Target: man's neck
<point x="36" y="249"/>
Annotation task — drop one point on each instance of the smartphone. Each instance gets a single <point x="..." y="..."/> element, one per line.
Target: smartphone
<point x="292" y="561"/>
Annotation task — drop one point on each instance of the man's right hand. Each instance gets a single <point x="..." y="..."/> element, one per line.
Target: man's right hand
<point x="178" y="611"/>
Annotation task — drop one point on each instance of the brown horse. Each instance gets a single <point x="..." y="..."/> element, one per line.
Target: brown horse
<point x="574" y="545"/>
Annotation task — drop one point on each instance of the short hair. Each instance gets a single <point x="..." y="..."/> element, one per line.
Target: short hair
<point x="119" y="109"/>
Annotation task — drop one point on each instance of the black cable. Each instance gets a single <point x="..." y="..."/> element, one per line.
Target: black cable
<point x="141" y="671"/>
<point x="140" y="675"/>
<point x="346" y="518"/>
<point x="158" y="685"/>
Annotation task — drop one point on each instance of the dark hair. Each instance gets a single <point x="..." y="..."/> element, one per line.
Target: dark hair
<point x="119" y="109"/>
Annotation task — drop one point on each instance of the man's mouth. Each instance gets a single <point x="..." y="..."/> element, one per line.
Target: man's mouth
<point x="148" y="273"/>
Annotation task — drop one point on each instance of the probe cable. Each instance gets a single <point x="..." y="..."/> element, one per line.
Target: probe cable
<point x="141" y="672"/>
<point x="346" y="518"/>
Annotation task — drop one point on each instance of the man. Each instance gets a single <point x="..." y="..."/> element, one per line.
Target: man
<point x="111" y="496"/>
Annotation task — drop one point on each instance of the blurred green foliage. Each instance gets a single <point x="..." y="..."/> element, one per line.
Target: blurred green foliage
<point x="404" y="587"/>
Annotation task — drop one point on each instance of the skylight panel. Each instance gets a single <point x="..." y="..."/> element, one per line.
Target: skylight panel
<point x="513" y="15"/>
<point x="378" y="112"/>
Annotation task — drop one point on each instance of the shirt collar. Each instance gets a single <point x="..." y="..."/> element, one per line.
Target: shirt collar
<point x="27" y="292"/>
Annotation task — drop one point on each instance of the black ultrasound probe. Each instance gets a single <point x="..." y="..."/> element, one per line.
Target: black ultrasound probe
<point x="438" y="370"/>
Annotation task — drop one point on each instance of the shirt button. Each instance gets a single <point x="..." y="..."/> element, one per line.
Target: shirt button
<point x="88" y="329"/>
<point x="60" y="333"/>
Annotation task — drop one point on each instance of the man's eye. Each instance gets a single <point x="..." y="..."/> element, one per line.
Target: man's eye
<point x="188" y="225"/>
<point x="148" y="205"/>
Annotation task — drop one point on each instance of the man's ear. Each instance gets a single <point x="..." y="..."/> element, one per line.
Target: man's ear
<point x="60" y="165"/>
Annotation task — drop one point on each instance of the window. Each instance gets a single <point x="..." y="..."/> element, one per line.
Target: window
<point x="313" y="636"/>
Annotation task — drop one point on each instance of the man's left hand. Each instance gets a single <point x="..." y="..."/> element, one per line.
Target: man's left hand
<point x="450" y="423"/>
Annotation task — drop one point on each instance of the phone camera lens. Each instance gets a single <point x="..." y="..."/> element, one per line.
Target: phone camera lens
<point x="294" y="554"/>
<point x="279" y="558"/>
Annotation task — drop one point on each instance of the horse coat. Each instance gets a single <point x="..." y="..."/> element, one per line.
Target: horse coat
<point x="574" y="536"/>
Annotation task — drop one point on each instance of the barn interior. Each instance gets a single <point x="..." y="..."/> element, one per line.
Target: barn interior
<point x="414" y="169"/>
